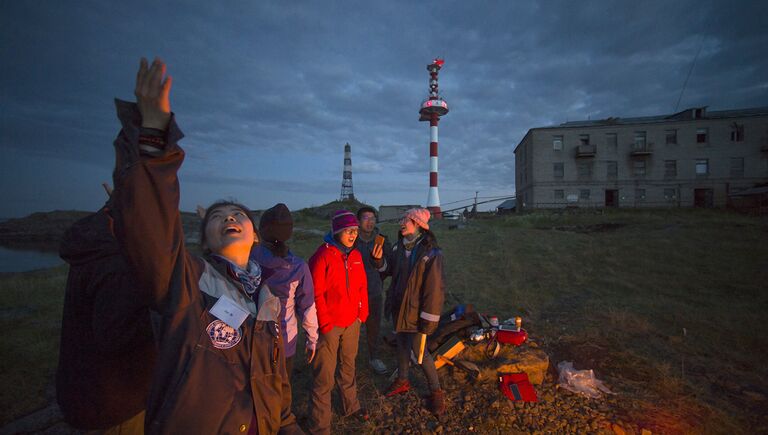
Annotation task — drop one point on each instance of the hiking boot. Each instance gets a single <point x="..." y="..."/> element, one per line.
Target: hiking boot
<point x="436" y="402"/>
<point x="398" y="387"/>
<point x="378" y="366"/>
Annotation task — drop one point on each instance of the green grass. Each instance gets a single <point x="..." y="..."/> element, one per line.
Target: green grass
<point x="31" y="320"/>
<point x="610" y="291"/>
<point x="618" y="300"/>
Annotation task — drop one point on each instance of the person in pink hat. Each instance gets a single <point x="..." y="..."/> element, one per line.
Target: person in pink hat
<point x="341" y="300"/>
<point x="415" y="299"/>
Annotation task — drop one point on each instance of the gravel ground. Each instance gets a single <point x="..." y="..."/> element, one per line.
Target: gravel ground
<point x="477" y="407"/>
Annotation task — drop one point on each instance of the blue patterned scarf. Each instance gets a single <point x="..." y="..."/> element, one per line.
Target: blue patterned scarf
<point x="250" y="278"/>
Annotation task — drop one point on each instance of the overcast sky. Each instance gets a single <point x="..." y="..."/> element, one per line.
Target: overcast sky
<point x="268" y="93"/>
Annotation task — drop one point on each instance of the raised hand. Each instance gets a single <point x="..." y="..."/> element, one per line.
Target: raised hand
<point x="152" y="94"/>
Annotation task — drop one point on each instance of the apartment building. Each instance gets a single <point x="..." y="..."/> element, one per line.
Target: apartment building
<point x="694" y="158"/>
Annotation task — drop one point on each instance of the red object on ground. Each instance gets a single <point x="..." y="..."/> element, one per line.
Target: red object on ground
<point x="398" y="387"/>
<point x="516" y="386"/>
<point x="511" y="337"/>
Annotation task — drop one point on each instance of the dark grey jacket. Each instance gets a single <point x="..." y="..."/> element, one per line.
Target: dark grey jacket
<point x="107" y="352"/>
<point x="375" y="278"/>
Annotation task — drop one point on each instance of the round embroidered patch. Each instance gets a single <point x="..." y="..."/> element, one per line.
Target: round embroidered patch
<point x="222" y="335"/>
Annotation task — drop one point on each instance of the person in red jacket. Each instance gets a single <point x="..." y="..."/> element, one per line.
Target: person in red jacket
<point x="341" y="299"/>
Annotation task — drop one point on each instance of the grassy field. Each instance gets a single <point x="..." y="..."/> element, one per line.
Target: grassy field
<point x="30" y="315"/>
<point x="669" y="307"/>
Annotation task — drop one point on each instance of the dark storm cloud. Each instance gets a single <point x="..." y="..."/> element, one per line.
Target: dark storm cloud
<point x="268" y="94"/>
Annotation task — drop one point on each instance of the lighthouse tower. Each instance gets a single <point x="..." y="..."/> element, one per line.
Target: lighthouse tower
<point x="431" y="110"/>
<point x="346" y="180"/>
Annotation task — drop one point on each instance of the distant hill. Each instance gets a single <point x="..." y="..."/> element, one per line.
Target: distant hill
<point x="325" y="211"/>
<point x="46" y="229"/>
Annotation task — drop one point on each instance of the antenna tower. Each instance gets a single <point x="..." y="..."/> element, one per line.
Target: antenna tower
<point x="431" y="110"/>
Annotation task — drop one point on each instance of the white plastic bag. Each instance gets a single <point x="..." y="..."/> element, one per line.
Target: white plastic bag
<point x="580" y="381"/>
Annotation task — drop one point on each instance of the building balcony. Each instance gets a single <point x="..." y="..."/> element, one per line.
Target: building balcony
<point x="639" y="150"/>
<point x="586" y="151"/>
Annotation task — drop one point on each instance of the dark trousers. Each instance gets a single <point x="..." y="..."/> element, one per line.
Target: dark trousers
<point x="373" y="324"/>
<point x="289" y="365"/>
<point x="340" y="344"/>
<point x="404" y="346"/>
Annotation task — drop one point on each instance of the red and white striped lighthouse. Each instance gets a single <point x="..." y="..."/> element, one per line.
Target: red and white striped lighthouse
<point x="431" y="110"/>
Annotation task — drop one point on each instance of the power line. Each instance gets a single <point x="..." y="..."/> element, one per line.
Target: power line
<point x="701" y="44"/>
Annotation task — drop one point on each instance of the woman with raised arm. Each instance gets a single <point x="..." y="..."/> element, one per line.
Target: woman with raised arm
<point x="221" y="364"/>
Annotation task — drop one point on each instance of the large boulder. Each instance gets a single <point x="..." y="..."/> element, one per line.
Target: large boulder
<point x="511" y="359"/>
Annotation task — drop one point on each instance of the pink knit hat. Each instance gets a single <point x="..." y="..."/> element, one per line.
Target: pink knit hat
<point x="343" y="219"/>
<point x="420" y="216"/>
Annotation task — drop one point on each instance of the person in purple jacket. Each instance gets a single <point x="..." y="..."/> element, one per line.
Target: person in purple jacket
<point x="289" y="279"/>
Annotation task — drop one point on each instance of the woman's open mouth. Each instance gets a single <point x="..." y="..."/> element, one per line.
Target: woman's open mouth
<point x="231" y="229"/>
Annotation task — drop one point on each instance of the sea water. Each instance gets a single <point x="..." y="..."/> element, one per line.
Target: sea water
<point x="23" y="260"/>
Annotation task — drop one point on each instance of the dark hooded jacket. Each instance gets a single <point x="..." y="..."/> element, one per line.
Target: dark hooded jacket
<point x="417" y="291"/>
<point x="107" y="350"/>
<point x="372" y="270"/>
<point x="211" y="378"/>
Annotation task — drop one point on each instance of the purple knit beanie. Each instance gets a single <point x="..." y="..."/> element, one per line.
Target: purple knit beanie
<point x="343" y="219"/>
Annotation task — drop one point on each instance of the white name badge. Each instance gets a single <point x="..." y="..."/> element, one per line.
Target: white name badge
<point x="229" y="312"/>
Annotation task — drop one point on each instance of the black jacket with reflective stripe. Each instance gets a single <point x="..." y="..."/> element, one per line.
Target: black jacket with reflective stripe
<point x="417" y="291"/>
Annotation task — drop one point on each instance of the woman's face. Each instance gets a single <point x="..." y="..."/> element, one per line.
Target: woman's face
<point x="347" y="236"/>
<point x="229" y="227"/>
<point x="407" y="227"/>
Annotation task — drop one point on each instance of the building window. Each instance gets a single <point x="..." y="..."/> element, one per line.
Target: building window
<point x="638" y="168"/>
<point x="702" y="167"/>
<point x="737" y="167"/>
<point x="737" y="132"/>
<point x="670" y="168"/>
<point x="557" y="143"/>
<point x="559" y="194"/>
<point x="584" y="194"/>
<point x="640" y="194"/>
<point x="702" y="135"/>
<point x="640" y="140"/>
<point x="671" y="136"/>
<point x="670" y="194"/>
<point x="583" y="139"/>
<point x="585" y="171"/>
<point x="611" y="170"/>
<point x="611" y="141"/>
<point x="558" y="170"/>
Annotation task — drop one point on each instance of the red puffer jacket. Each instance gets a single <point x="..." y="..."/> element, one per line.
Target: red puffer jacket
<point x="341" y="287"/>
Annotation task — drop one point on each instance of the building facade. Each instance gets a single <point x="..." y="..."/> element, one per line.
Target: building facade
<point x="694" y="158"/>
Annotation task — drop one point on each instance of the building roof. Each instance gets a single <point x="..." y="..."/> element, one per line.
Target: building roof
<point x="685" y="115"/>
<point x="510" y="203"/>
